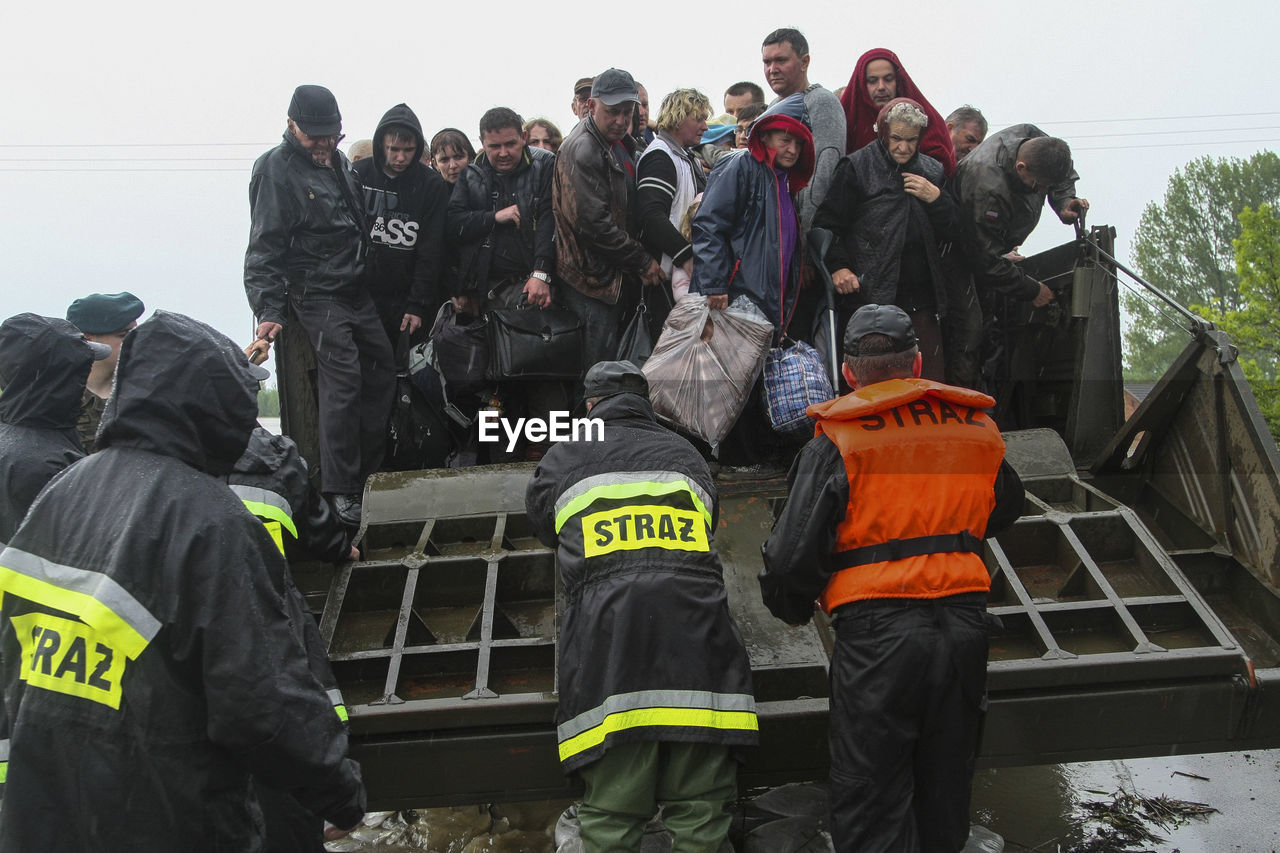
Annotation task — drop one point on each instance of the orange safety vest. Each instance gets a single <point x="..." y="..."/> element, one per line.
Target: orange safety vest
<point x="922" y="459"/>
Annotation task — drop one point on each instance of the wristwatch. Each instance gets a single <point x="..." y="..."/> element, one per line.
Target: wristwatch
<point x="541" y="276"/>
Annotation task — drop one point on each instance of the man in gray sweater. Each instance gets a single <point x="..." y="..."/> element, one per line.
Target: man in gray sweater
<point x="785" y="53"/>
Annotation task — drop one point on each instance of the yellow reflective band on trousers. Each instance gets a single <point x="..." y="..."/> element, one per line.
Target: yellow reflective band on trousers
<point x="626" y="490"/>
<point x="4" y="760"/>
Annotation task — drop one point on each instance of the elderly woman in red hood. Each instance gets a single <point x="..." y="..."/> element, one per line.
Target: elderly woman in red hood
<point x="888" y="213"/>
<point x="877" y="79"/>
<point x="746" y="235"/>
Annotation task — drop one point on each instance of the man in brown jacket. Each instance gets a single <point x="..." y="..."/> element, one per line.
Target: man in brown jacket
<point x="597" y="256"/>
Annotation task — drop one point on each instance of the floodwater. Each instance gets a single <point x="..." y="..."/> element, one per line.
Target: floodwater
<point x="1042" y="809"/>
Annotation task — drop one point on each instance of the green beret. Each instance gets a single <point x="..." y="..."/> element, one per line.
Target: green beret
<point x="104" y="313"/>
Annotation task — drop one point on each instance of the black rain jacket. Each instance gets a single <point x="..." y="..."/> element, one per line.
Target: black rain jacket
<point x="148" y="657"/>
<point x="648" y="648"/>
<point x="868" y="211"/>
<point x="404" y="217"/>
<point x="306" y="234"/>
<point x="44" y="364"/>
<point x="480" y="192"/>
<point x="998" y="211"/>
<point x="271" y="479"/>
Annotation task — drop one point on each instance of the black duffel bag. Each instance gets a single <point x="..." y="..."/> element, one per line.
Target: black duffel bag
<point x="534" y="343"/>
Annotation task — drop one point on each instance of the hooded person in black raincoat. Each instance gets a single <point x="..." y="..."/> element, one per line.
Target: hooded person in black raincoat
<point x="149" y="661"/>
<point x="405" y="203"/>
<point x="44" y="363"/>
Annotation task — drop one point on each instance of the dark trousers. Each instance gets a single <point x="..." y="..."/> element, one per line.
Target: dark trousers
<point x="908" y="694"/>
<point x="355" y="379"/>
<point x="602" y="322"/>
<point x="962" y="337"/>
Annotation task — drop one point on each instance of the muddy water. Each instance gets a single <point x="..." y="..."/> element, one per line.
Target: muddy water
<point x="1039" y="808"/>
<point x="1031" y="808"/>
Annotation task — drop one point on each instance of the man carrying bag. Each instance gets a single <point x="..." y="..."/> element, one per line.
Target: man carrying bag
<point x="501" y="222"/>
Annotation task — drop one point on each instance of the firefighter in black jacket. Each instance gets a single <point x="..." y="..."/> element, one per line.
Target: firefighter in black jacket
<point x="44" y="363"/>
<point x="148" y="656"/>
<point x="655" y="685"/>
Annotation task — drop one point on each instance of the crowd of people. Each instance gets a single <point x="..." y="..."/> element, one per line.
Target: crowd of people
<point x="629" y="205"/>
<point x="153" y="641"/>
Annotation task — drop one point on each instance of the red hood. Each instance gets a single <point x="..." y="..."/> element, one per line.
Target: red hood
<point x="798" y="175"/>
<point x="861" y="112"/>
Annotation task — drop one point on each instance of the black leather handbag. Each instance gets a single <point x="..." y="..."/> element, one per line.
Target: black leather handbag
<point x="534" y="343"/>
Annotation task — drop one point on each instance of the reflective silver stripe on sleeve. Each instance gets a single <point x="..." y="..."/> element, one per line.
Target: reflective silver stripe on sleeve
<point x="262" y="496"/>
<point x="4" y="749"/>
<point x="335" y="696"/>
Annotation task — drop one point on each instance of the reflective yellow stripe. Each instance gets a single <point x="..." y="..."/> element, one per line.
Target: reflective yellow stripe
<point x="110" y="626"/>
<point x="626" y="491"/>
<point x="341" y="711"/>
<point x="267" y="512"/>
<point x="643" y="717"/>
<point x="4" y="772"/>
<point x="277" y="536"/>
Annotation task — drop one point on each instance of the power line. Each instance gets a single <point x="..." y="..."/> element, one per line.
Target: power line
<point x="132" y="144"/>
<point x="1153" y="118"/>
<point x="137" y="169"/>
<point x="1175" y="144"/>
<point x="1173" y="132"/>
<point x="269" y="143"/>
<point x="125" y="159"/>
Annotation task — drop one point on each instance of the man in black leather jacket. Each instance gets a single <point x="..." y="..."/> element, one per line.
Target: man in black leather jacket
<point x="306" y="258"/>
<point x="500" y="220"/>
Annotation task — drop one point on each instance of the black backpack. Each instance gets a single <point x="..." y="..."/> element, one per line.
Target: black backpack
<point x="417" y="435"/>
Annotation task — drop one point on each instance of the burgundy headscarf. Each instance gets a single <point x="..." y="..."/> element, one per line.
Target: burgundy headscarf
<point x="861" y="112"/>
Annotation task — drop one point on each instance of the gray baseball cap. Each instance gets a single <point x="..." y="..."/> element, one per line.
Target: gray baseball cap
<point x="614" y="86"/>
<point x="606" y="378"/>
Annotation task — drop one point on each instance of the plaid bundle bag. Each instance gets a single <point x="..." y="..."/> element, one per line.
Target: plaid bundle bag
<point x="794" y="379"/>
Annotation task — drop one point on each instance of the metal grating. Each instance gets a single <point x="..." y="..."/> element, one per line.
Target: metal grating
<point x="443" y="615"/>
<point x="1086" y="594"/>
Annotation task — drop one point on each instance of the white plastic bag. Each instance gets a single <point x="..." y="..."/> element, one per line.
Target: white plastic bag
<point x="703" y="367"/>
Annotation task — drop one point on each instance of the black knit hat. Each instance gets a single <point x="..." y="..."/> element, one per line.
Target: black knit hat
<point x="315" y="110"/>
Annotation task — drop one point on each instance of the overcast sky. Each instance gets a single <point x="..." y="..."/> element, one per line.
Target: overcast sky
<point x="130" y="128"/>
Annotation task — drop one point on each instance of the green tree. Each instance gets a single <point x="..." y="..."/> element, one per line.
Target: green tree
<point x="268" y="403"/>
<point x="1255" y="325"/>
<point x="1183" y="246"/>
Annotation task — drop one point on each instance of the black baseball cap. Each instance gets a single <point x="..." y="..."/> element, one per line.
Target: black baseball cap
<point x="888" y="320"/>
<point x="614" y="86"/>
<point x="606" y="378"/>
<point x="315" y="110"/>
<point x="583" y="83"/>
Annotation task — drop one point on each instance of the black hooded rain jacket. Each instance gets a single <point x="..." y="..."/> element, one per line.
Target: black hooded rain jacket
<point x="149" y="662"/>
<point x="44" y="363"/>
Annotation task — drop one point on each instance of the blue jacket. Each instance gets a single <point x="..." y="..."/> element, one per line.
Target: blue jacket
<point x="737" y="232"/>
